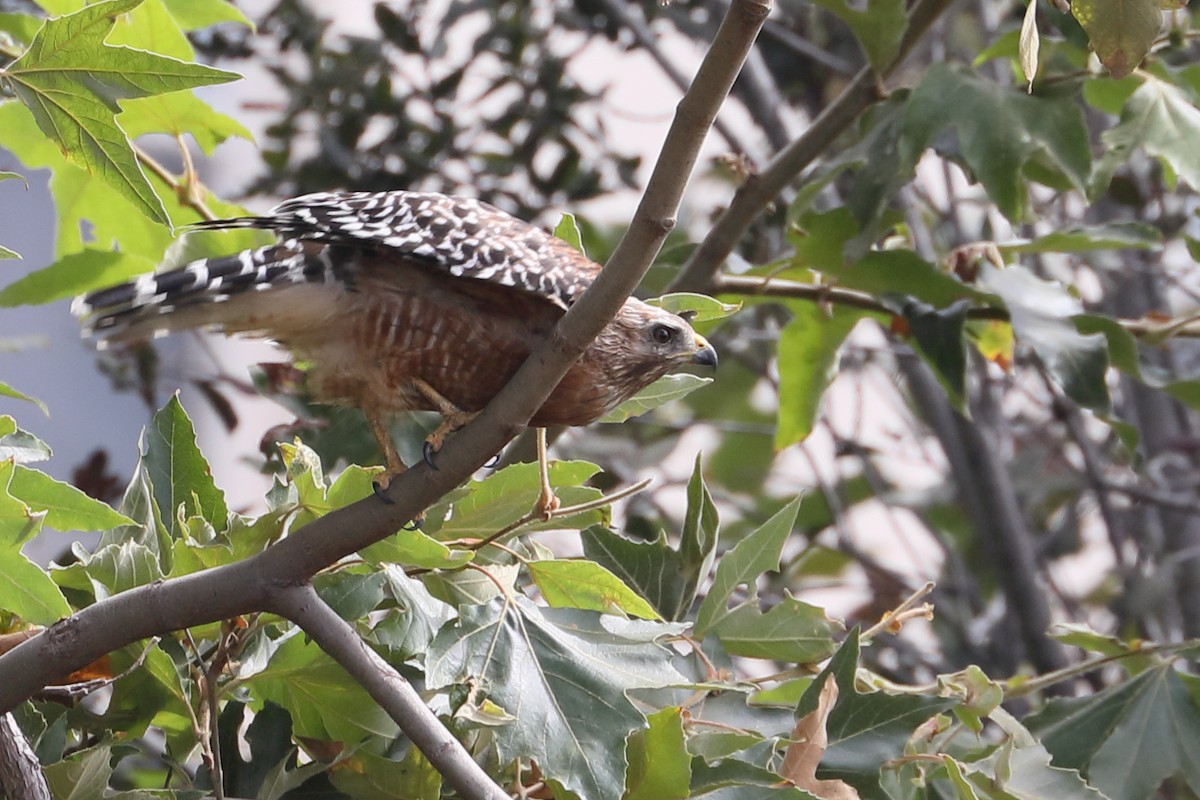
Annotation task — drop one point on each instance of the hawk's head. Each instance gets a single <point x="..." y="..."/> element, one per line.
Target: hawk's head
<point x="645" y="342"/>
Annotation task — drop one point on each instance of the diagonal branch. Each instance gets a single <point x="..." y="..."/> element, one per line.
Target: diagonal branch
<point x="395" y="695"/>
<point x="762" y="189"/>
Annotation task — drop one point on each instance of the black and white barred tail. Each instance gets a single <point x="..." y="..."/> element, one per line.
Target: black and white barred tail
<point x="182" y="298"/>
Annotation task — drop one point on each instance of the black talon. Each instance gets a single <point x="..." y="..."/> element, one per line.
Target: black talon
<point x="381" y="494"/>
<point x="427" y="452"/>
<point x="413" y="524"/>
<point x="493" y="461"/>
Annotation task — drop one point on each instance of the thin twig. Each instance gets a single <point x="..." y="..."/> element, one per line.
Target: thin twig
<point x="303" y="606"/>
<point x="756" y="194"/>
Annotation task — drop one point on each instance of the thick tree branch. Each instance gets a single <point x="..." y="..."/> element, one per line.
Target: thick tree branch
<point x="395" y="695"/>
<point x="253" y="584"/>
<point x="20" y="772"/>
<point x="762" y="189"/>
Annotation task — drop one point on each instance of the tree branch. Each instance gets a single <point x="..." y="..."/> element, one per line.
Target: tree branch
<point x="762" y="189"/>
<point x="395" y="695"/>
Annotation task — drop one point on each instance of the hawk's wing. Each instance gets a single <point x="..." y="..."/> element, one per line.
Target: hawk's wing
<point x="460" y="236"/>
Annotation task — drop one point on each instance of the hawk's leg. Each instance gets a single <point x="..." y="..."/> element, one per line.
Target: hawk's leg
<point x="453" y="418"/>
<point x="547" y="502"/>
<point x="391" y="457"/>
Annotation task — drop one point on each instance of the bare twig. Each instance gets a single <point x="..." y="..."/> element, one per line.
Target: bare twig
<point x="758" y="193"/>
<point x="395" y="695"/>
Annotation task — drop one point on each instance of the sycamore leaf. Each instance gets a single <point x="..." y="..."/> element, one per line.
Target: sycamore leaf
<point x="18" y="445"/>
<point x="808" y="352"/>
<point x="1120" y="31"/>
<point x="809" y="740"/>
<point x="758" y="553"/>
<point x="567" y="229"/>
<point x="74" y="274"/>
<point x="699" y="307"/>
<point x="563" y="677"/>
<point x="586" y="584"/>
<point x="72" y="81"/>
<point x="182" y="482"/>
<point x="1129" y="738"/>
<point x="8" y="391"/>
<point x="1000" y="132"/>
<point x="1161" y="118"/>
<point x="662" y="391"/>
<point x="865" y="729"/>
<point x="660" y="767"/>
<point x="1041" y="312"/>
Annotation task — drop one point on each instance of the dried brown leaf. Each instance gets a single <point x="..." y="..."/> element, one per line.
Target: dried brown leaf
<point x="809" y="740"/>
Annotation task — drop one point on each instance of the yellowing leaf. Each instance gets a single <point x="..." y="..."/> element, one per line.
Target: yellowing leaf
<point x="585" y="584"/>
<point x="1120" y="31"/>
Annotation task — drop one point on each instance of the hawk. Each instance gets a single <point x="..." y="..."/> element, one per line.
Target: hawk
<point x="406" y="301"/>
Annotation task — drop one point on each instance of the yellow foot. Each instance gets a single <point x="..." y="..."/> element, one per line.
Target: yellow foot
<point x="547" y="502"/>
<point x="453" y="418"/>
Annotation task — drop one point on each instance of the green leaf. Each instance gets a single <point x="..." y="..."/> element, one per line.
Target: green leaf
<point x="808" y="351"/>
<point x="178" y="114"/>
<point x="1161" y="118"/>
<point x="18" y="445"/>
<point x="115" y="568"/>
<point x="86" y="204"/>
<point x="749" y="559"/>
<point x="181" y="479"/>
<point x="568" y="230"/>
<point x="366" y="776"/>
<point x="74" y="274"/>
<point x="1124" y="355"/>
<point x="195" y="14"/>
<point x="1127" y="739"/>
<point x="1114" y="236"/>
<point x="84" y="775"/>
<point x="324" y="701"/>
<point x="413" y="548"/>
<point x="352" y="593"/>
<point x="6" y="253"/>
<point x="408" y="629"/>
<point x="568" y="682"/>
<point x="28" y="592"/>
<point x="1120" y="31"/>
<point x="1041" y="313"/>
<point x="879" y="28"/>
<point x="703" y="307"/>
<point x="666" y="577"/>
<point x="586" y="585"/>
<point x="868" y="729"/>
<point x="791" y="631"/>
<point x="660" y="767"/>
<point x="67" y="508"/>
<point x="664" y="390"/>
<point x="1000" y="132"/>
<point x="939" y="338"/>
<point x="503" y="498"/>
<point x="8" y="391"/>
<point x="72" y="82"/>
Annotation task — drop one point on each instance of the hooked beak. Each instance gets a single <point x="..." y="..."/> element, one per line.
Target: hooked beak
<point x="705" y="355"/>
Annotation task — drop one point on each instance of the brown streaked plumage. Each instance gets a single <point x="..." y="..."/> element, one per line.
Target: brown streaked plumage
<point x="406" y="301"/>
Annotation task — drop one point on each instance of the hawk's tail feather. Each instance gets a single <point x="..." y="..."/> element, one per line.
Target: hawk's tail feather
<point x="157" y="302"/>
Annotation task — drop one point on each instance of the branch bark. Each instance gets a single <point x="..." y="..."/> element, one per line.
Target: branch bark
<point x="395" y="695"/>
<point x="762" y="189"/>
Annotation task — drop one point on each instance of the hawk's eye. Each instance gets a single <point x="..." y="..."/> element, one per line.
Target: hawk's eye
<point x="662" y="334"/>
